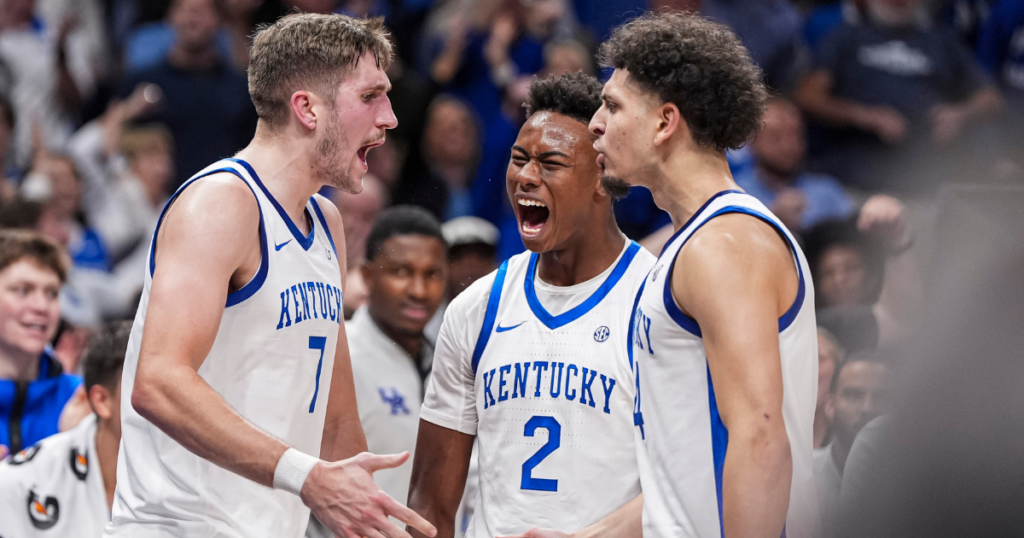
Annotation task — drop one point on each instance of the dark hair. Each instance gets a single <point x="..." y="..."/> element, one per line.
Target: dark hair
<point x="698" y="65"/>
<point x="20" y="213"/>
<point x="576" y="95"/>
<point x="876" y="356"/>
<point x="104" y="356"/>
<point x="16" y="245"/>
<point x="402" y="220"/>
<point x="832" y="233"/>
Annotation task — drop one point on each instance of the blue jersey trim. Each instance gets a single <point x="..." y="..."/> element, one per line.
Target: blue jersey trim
<point x="323" y="222"/>
<point x="490" y="316"/>
<point x="697" y="213"/>
<point x="689" y="324"/>
<point x="261" y="275"/>
<point x="305" y="241"/>
<point x="719" y="444"/>
<point x="554" y="322"/>
<point x="638" y="416"/>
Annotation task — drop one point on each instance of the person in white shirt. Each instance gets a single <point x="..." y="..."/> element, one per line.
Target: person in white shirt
<point x="64" y="485"/>
<point x="531" y="360"/>
<point x="405" y="273"/>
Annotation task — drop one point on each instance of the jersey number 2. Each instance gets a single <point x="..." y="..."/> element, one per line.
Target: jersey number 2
<point x="317" y="342"/>
<point x="554" y="441"/>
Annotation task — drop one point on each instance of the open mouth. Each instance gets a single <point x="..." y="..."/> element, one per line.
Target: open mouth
<point x="533" y="215"/>
<point x="35" y="328"/>
<point x="366" y="149"/>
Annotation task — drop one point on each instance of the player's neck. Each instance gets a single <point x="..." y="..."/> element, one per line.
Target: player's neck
<point x="107" y="442"/>
<point x="585" y="256"/>
<point x="688" y="179"/>
<point x="283" y="165"/>
<point x="17" y="365"/>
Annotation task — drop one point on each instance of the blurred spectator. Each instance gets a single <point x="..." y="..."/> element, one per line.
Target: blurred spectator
<point x="830" y="357"/>
<point x="72" y="497"/>
<point x="859" y="393"/>
<point x="472" y="246"/>
<point x="1001" y="53"/>
<point x="897" y="98"/>
<point x="476" y="65"/>
<point x="770" y="29"/>
<point x="54" y="181"/>
<point x="358" y="213"/>
<point x="867" y="288"/>
<point x="149" y="44"/>
<point x="405" y="274"/>
<point x="824" y="19"/>
<point x="50" y="74"/>
<point x="799" y="198"/>
<point x="567" y="56"/>
<point x="125" y="176"/>
<point x="33" y="388"/>
<point x="450" y="153"/>
<point x="203" y="102"/>
<point x="8" y="188"/>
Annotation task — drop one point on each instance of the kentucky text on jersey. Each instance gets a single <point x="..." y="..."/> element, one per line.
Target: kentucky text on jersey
<point x="642" y="331"/>
<point x="549" y="380"/>
<point x="310" y="300"/>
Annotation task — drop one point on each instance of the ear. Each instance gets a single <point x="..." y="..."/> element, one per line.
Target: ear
<point x="670" y="121"/>
<point x="367" y="273"/>
<point x="302" y="107"/>
<point x="830" y="408"/>
<point x="101" y="400"/>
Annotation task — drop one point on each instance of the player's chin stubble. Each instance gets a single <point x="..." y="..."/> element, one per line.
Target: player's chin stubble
<point x="615" y="187"/>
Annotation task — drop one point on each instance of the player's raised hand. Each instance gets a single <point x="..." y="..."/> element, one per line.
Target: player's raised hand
<point x="538" y="532"/>
<point x="344" y="497"/>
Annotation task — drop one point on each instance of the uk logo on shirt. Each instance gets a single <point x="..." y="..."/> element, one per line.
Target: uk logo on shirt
<point x="392" y="397"/>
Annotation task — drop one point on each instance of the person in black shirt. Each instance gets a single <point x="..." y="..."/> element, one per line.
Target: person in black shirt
<point x="203" y="102"/>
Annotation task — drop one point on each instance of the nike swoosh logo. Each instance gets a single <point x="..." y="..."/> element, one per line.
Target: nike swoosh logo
<point x="279" y="247"/>
<point x="503" y="329"/>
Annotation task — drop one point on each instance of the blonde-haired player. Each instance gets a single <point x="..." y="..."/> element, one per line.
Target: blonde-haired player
<point x="237" y="371"/>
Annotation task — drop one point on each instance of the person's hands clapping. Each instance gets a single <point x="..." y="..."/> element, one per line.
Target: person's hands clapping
<point x="344" y="497"/>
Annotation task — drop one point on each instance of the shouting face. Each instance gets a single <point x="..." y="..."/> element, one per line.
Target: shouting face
<point x="553" y="181"/>
<point x="355" y="123"/>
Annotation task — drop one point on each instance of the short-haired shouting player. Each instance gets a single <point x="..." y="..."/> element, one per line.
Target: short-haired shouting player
<point x="724" y="330"/>
<point x="237" y="367"/>
<point x="531" y="360"/>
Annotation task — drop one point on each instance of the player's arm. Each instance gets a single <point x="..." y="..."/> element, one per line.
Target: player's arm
<point x="210" y="232"/>
<point x="739" y="278"/>
<point x="626" y="522"/>
<point x="439" y="475"/>
<point x="343" y="433"/>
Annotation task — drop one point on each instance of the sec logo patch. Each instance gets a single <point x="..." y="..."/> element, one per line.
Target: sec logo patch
<point x="602" y="333"/>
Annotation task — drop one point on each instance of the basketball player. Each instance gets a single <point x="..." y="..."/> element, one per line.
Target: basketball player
<point x="724" y="330"/>
<point x="531" y="360"/>
<point x="237" y="365"/>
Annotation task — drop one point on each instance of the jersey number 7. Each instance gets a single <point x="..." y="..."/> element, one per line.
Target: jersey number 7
<point x="317" y="342"/>
<point x="554" y="441"/>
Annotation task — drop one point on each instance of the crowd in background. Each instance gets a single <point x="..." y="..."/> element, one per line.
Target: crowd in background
<point x="107" y="106"/>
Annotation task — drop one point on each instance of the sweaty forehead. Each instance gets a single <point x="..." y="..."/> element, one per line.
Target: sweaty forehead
<point x="551" y="131"/>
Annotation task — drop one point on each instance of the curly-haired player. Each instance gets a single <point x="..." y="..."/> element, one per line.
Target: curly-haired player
<point x="531" y="360"/>
<point x="724" y="332"/>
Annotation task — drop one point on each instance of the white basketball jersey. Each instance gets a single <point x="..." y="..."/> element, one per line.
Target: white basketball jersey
<point x="271" y="361"/>
<point x="549" y="397"/>
<point x="682" y="439"/>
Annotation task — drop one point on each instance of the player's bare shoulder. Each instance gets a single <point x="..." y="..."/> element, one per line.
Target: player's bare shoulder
<point x="207" y="220"/>
<point x="734" y="248"/>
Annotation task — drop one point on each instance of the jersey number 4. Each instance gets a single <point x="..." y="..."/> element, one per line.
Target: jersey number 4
<point x="554" y="441"/>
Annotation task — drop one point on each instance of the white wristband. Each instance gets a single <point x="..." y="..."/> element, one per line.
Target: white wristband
<point x="292" y="470"/>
